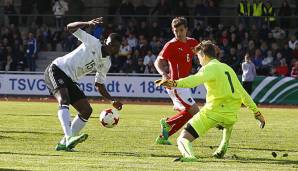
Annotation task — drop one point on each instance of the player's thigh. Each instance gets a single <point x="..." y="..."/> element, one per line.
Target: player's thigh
<point x="56" y="82"/>
<point x="201" y="123"/>
<point x="182" y="99"/>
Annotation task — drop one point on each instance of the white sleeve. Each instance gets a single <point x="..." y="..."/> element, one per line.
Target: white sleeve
<point x="85" y="37"/>
<point x="101" y="73"/>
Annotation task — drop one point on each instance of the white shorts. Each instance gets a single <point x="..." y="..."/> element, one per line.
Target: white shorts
<point x="181" y="98"/>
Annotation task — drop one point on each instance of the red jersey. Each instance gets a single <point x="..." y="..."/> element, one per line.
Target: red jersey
<point x="179" y="56"/>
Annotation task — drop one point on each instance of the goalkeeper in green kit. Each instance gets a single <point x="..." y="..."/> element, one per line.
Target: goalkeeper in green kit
<point x="224" y="98"/>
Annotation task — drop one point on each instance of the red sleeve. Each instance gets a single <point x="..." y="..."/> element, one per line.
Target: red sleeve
<point x="195" y="42"/>
<point x="165" y="53"/>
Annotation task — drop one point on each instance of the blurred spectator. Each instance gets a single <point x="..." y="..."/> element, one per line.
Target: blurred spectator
<point x="257" y="12"/>
<point x="140" y="66"/>
<point x="292" y="42"/>
<point x="257" y="60"/>
<point x="144" y="29"/>
<point x="143" y="46"/>
<point x="249" y="73"/>
<point x="150" y="68"/>
<point x="9" y="61"/>
<point x="97" y="31"/>
<point x="278" y="33"/>
<point x="294" y="71"/>
<point x="132" y="40"/>
<point x="234" y="60"/>
<point x="125" y="51"/>
<point x="150" y="57"/>
<point x="269" y="13"/>
<point x="10" y="10"/>
<point x="267" y="63"/>
<point x="156" y="45"/>
<point x="59" y="8"/>
<point x="254" y="32"/>
<point x="128" y="67"/>
<point x="284" y="11"/>
<point x="31" y="51"/>
<point x="155" y="30"/>
<point x="126" y="8"/>
<point x="287" y="53"/>
<point x="295" y="52"/>
<point x="244" y="10"/>
<point x="282" y="69"/>
<point x="115" y="66"/>
<point x="198" y="32"/>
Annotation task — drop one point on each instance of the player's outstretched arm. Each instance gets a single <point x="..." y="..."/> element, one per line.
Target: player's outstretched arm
<point x="72" y="27"/>
<point x="103" y="91"/>
<point x="249" y="103"/>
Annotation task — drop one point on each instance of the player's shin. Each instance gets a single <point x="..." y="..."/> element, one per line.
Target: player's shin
<point x="185" y="147"/>
<point x="177" y="121"/>
<point x="77" y="125"/>
<point x="65" y="119"/>
<point x="223" y="147"/>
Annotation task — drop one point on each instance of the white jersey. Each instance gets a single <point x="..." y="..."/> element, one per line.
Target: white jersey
<point x="85" y="59"/>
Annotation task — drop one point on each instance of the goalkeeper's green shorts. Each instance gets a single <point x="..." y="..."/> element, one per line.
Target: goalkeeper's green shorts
<point x="202" y="123"/>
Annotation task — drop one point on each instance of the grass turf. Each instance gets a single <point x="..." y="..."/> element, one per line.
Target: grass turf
<point x="29" y="132"/>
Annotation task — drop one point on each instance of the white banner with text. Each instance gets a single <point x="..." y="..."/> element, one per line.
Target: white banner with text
<point x="118" y="86"/>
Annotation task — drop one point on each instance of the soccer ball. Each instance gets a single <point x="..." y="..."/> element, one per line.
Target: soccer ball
<point x="109" y="118"/>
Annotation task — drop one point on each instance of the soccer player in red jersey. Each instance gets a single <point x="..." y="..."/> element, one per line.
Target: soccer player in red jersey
<point x="175" y="62"/>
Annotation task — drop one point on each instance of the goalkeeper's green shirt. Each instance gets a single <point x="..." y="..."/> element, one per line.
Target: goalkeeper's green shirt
<point x="225" y="93"/>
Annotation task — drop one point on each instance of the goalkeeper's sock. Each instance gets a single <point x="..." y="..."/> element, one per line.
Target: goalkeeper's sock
<point x="77" y="125"/>
<point x="185" y="147"/>
<point x="177" y="121"/>
<point x="225" y="138"/>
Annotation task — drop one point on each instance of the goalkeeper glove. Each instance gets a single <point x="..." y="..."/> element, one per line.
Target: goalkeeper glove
<point x="261" y="119"/>
<point x="166" y="83"/>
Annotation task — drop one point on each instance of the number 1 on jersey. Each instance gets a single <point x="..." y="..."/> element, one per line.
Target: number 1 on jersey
<point x="230" y="81"/>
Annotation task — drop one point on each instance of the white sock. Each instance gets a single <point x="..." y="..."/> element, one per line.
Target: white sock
<point x="185" y="147"/>
<point x="63" y="140"/>
<point x="78" y="123"/>
<point x="65" y="120"/>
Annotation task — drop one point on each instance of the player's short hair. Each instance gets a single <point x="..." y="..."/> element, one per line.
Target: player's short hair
<point x="115" y="37"/>
<point x="207" y="47"/>
<point x="178" y="21"/>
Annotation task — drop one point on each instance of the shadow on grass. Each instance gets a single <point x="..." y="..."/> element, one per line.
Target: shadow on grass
<point x="249" y="148"/>
<point x="29" y="154"/>
<point x="30" y="132"/>
<point x="120" y="153"/>
<point x="262" y="149"/>
<point x="264" y="160"/>
<point x="5" y="169"/>
<point x="5" y="137"/>
<point x="18" y="115"/>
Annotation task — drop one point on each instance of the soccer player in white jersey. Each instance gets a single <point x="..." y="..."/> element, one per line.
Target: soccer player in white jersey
<point x="61" y="76"/>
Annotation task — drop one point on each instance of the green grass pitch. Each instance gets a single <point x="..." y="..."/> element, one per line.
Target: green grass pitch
<point x="29" y="132"/>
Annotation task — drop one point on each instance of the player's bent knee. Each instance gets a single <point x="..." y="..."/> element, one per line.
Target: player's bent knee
<point x="194" y="109"/>
<point x="86" y="113"/>
<point x="191" y="131"/>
